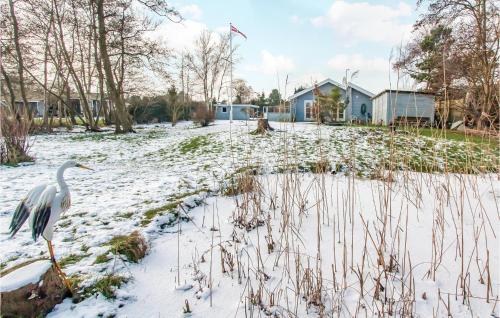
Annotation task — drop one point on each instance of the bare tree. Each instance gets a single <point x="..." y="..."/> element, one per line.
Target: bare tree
<point x="128" y="44"/>
<point x="209" y="62"/>
<point x="81" y="47"/>
<point x="244" y="92"/>
<point x="174" y="104"/>
<point x="77" y="75"/>
<point x="475" y="26"/>
<point x="18" y="56"/>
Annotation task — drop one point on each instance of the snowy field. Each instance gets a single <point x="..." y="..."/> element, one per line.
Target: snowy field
<point x="361" y="242"/>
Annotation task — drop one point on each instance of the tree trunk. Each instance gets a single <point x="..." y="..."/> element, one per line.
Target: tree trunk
<point x="46" y="105"/>
<point x="84" y="104"/>
<point x="20" y="62"/>
<point x="263" y="126"/>
<point x="103" y="106"/>
<point x="31" y="290"/>
<point x="123" y="122"/>
<point x="8" y="83"/>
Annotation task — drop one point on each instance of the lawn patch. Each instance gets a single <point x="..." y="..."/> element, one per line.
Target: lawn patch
<point x="455" y="135"/>
<point x="193" y="144"/>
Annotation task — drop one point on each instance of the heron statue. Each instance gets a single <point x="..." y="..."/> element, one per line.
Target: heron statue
<point x="43" y="205"/>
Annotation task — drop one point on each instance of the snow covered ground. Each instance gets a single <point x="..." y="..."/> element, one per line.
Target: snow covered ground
<point x="372" y="233"/>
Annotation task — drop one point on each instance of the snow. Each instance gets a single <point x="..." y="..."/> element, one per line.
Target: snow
<point x="90" y="307"/>
<point x="155" y="278"/>
<point x="138" y="172"/>
<point x="29" y="274"/>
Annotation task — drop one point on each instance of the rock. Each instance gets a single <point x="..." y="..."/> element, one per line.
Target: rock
<point x="30" y="289"/>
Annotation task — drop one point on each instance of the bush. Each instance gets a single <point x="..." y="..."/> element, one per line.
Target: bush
<point x="147" y="110"/>
<point x="158" y="109"/>
<point x="202" y="115"/>
<point x="14" y="137"/>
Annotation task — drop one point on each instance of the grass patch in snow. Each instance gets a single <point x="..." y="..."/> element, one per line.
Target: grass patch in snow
<point x="320" y="166"/>
<point x="193" y="144"/>
<point x="132" y="246"/>
<point x="72" y="259"/>
<point x="125" y="215"/>
<point x="455" y="135"/>
<point x="110" y="136"/>
<point x="170" y="207"/>
<point x="181" y="196"/>
<point x="241" y="183"/>
<point x="94" y="157"/>
<point x="88" y="136"/>
<point x="253" y="168"/>
<point x="3" y="264"/>
<point x="64" y="223"/>
<point x="375" y="149"/>
<point x="426" y="154"/>
<point x="75" y="281"/>
<point x="106" y="286"/>
<point x="149" y="215"/>
<point x="103" y="258"/>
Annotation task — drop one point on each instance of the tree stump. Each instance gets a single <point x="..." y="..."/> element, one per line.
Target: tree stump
<point x="262" y="126"/>
<point x="30" y="289"/>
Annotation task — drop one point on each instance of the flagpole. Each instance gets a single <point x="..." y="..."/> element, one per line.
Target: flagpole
<point x="231" y="74"/>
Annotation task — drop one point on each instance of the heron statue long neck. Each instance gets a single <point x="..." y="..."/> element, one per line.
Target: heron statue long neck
<point x="60" y="177"/>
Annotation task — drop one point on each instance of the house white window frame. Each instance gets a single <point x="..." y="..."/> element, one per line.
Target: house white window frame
<point x="340" y="113"/>
<point x="311" y="111"/>
<point x="224" y="109"/>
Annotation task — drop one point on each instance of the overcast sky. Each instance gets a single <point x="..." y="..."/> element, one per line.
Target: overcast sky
<point x="307" y="40"/>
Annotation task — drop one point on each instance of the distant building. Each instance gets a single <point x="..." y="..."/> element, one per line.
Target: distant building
<point x="240" y="111"/>
<point x="358" y="108"/>
<point x="403" y="107"/>
<point x="36" y="103"/>
<point x="299" y="107"/>
<point x="34" y="97"/>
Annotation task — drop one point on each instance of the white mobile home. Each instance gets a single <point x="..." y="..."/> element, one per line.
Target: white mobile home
<point x="401" y="107"/>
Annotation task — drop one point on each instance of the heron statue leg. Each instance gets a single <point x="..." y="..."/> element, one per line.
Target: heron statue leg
<point x="57" y="267"/>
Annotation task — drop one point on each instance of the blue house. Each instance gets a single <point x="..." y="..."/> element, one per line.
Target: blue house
<point x="240" y="111"/>
<point x="301" y="103"/>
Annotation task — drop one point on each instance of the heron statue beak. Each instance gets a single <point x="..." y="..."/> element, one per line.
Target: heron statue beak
<point x="83" y="167"/>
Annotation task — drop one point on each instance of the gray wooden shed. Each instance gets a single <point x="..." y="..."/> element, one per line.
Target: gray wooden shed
<point x="403" y="106"/>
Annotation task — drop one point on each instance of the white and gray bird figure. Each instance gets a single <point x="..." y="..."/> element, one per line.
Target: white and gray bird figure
<point x="43" y="206"/>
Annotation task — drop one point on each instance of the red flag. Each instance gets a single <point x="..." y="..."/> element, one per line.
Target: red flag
<point x="235" y="30"/>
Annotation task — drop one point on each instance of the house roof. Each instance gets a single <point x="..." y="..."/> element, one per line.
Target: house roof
<point x="307" y="90"/>
<point x="329" y="80"/>
<point x="237" y="105"/>
<point x="404" y="91"/>
<point x="361" y="89"/>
